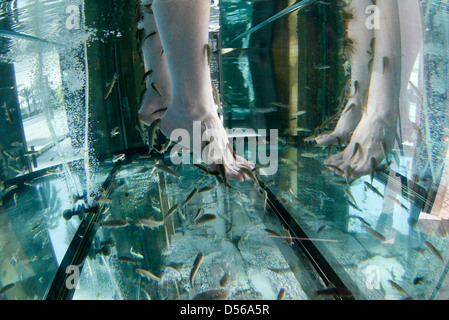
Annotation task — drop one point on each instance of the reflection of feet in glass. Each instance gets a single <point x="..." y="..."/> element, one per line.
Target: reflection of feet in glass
<point x="374" y="135"/>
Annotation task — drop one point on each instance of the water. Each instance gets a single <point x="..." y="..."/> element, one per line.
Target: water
<point x="58" y="144"/>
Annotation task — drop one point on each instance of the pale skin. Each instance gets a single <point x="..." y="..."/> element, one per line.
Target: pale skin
<point x="397" y="44"/>
<point x="184" y="92"/>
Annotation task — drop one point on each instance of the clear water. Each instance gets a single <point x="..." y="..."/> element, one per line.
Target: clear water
<point x="57" y="151"/>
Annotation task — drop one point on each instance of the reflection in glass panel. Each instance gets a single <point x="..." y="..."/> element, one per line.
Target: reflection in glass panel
<point x="342" y="106"/>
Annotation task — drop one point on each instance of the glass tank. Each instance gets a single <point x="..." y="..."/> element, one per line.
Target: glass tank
<point x="338" y="107"/>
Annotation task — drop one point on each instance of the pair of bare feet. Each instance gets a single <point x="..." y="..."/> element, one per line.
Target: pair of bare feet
<point x="368" y="122"/>
<point x="179" y="92"/>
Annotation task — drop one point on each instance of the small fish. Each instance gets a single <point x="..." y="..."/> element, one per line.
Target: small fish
<point x="103" y="200"/>
<point x="148" y="223"/>
<point x="434" y="250"/>
<point x="385" y="64"/>
<point x="339" y="171"/>
<point x="281" y="294"/>
<point x="229" y="228"/>
<point x="299" y="113"/>
<point x="6" y="288"/>
<point x="114" y="132"/>
<point x="300" y="129"/>
<point x="168" y="170"/>
<point x="172" y="209"/>
<point x="200" y="210"/>
<point x="15" y="197"/>
<point x="206" y="189"/>
<point x="110" y="86"/>
<point x="205" y="218"/>
<point x="14" y="186"/>
<point x="321" y="228"/>
<point x="353" y="205"/>
<point x="280" y="105"/>
<point x="348" y="174"/>
<point x="196" y="264"/>
<point x="209" y="53"/>
<point x="152" y="33"/>
<point x="356" y="87"/>
<point x="288" y="237"/>
<point x="374" y="189"/>
<point x="250" y="175"/>
<point x="339" y="292"/>
<point x="309" y="155"/>
<point x="118" y="157"/>
<point x="397" y="287"/>
<point x="190" y="197"/>
<point x="226" y="279"/>
<point x="127" y="259"/>
<point x="217" y="294"/>
<point x="147" y="274"/>
<point x="361" y="220"/>
<point x="350" y="196"/>
<point x="113" y="223"/>
<point x="8" y="113"/>
<point x="146" y="75"/>
<point x="155" y="88"/>
<point x="357" y="148"/>
<point x="321" y="67"/>
<point x="374" y="233"/>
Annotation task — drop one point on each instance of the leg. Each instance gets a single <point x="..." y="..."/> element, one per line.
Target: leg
<point x="358" y="49"/>
<point x="376" y="132"/>
<point x="158" y="92"/>
<point x="184" y="30"/>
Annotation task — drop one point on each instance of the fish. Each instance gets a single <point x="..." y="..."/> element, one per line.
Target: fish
<point x="113" y="223"/>
<point x="147" y="274"/>
<point x="226" y="279"/>
<point x="168" y="170"/>
<point x="114" y="132"/>
<point x="339" y="292"/>
<point x="103" y="200"/>
<point x="309" y="155"/>
<point x="417" y="280"/>
<point x="135" y="254"/>
<point x="110" y="86"/>
<point x="250" y="175"/>
<point x="374" y="233"/>
<point x="196" y="264"/>
<point x="206" y="189"/>
<point x="280" y="105"/>
<point x="229" y="228"/>
<point x="127" y="259"/>
<point x="152" y="33"/>
<point x="200" y="210"/>
<point x="172" y="209"/>
<point x="205" y="218"/>
<point x="321" y="228"/>
<point x="273" y="233"/>
<point x="8" y="113"/>
<point x="148" y="223"/>
<point x="118" y="157"/>
<point x="146" y="75"/>
<point x="300" y="129"/>
<point x="397" y="287"/>
<point x="14" y="186"/>
<point x="190" y="197"/>
<point x="350" y="196"/>
<point x="361" y="220"/>
<point x="353" y="205"/>
<point x="281" y="294"/>
<point x="339" y="171"/>
<point x="356" y="87"/>
<point x="209" y="53"/>
<point x="374" y="189"/>
<point x="288" y="237"/>
<point x="357" y="148"/>
<point x="15" y="197"/>
<point x="155" y="88"/>
<point x="217" y="294"/>
<point x="385" y="64"/>
<point x="154" y="126"/>
<point x="6" y="288"/>
<point x="348" y="174"/>
<point x="434" y="250"/>
<point x="321" y="67"/>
